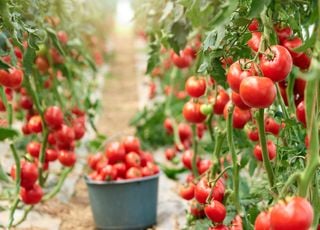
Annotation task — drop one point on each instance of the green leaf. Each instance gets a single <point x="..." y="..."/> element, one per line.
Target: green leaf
<point x="52" y="34"/>
<point x="257" y="7"/>
<point x="218" y="72"/>
<point x="28" y="60"/>
<point x="252" y="166"/>
<point x="8" y="133"/>
<point x="179" y="34"/>
<point x="154" y="53"/>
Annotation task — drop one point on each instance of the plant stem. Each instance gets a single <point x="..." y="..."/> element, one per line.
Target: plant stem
<point x="42" y="156"/>
<point x="7" y="105"/>
<point x="312" y="113"/>
<point x="209" y="125"/>
<point x="25" y="214"/>
<point x="263" y="144"/>
<point x="219" y="138"/>
<point x="195" y="151"/>
<point x="294" y="177"/>
<point x="57" y="188"/>
<point x="12" y="211"/>
<point x="235" y="169"/>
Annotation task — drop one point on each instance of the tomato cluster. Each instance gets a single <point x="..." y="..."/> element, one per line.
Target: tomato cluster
<point x="122" y="161"/>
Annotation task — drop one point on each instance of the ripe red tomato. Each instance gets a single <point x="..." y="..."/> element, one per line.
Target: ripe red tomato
<point x="262" y="221"/>
<point x="133" y="173"/>
<point x="132" y="159"/>
<point x="299" y="86"/>
<point x="253" y="134"/>
<point x="167" y="124"/>
<point x="79" y="130"/>
<point x="238" y="71"/>
<point x="271" y="126"/>
<point x="254" y="25"/>
<point x="53" y="117"/>
<point x="201" y="128"/>
<point x="296" y="213"/>
<point x="197" y="209"/>
<point x="215" y="211"/>
<point x="220" y="102"/>
<point x="254" y="41"/>
<point x="170" y="153"/>
<point x="147" y="171"/>
<point x="131" y="144"/>
<point x="67" y="158"/>
<point x="191" y="112"/>
<point x="186" y="191"/>
<point x="115" y="152"/>
<point x="272" y="151"/>
<point x="108" y="173"/>
<point x="190" y="51"/>
<point x="65" y="135"/>
<point x="195" y="86"/>
<point x="291" y="45"/>
<point x="303" y="61"/>
<point x="182" y="60"/>
<point x="283" y="32"/>
<point x="237" y="101"/>
<point x="301" y="113"/>
<point x="29" y="174"/>
<point x="26" y="102"/>
<point x="35" y="124"/>
<point x="31" y="196"/>
<point x="187" y="159"/>
<point x="121" y="169"/>
<point x="203" y="189"/>
<point x="56" y="56"/>
<point x="239" y="117"/>
<point x="185" y="131"/>
<point x="12" y="79"/>
<point x="276" y="63"/>
<point x="94" y="159"/>
<point x="258" y="92"/>
<point x="236" y="223"/>
<point x="204" y="165"/>
<point x="33" y="148"/>
<point x="51" y="155"/>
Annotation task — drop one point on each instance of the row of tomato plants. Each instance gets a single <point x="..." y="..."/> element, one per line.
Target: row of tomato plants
<point x="244" y="87"/>
<point x="47" y="78"/>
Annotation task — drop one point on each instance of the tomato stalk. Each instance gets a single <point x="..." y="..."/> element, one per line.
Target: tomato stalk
<point x="57" y="188"/>
<point x="235" y="163"/>
<point x="24" y="216"/>
<point x="195" y="151"/>
<point x="15" y="203"/>
<point x="209" y="125"/>
<point x="7" y="105"/>
<point x="42" y="156"/>
<point x="312" y="113"/>
<point x="219" y="138"/>
<point x="263" y="144"/>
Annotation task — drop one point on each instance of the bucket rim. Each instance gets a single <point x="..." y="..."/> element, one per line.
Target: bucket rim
<point x="126" y="181"/>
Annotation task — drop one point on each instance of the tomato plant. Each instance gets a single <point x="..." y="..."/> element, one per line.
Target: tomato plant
<point x="257" y="67"/>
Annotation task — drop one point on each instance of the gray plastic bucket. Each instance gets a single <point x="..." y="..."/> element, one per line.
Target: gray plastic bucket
<point x="127" y="204"/>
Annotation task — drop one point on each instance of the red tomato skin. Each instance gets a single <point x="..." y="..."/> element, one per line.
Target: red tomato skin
<point x="236" y="99"/>
<point x="215" y="211"/>
<point x="170" y="153"/>
<point x="34" y="148"/>
<point x="279" y="66"/>
<point x="301" y="113"/>
<point x="195" y="86"/>
<point x="253" y="134"/>
<point x="239" y="117"/>
<point x="31" y="196"/>
<point x="132" y="159"/>
<point x="204" y="165"/>
<point x="191" y="112"/>
<point x="67" y="158"/>
<point x="131" y="144"/>
<point x="283" y="32"/>
<point x="236" y="73"/>
<point x="292" y="44"/>
<point x="26" y="103"/>
<point x="185" y="131"/>
<point x="65" y="135"/>
<point x="121" y="169"/>
<point x="202" y="191"/>
<point x="35" y="124"/>
<point x="167" y="124"/>
<point x="187" y="159"/>
<point x="115" y="152"/>
<point x="108" y="173"/>
<point x="272" y="151"/>
<point x="53" y="117"/>
<point x="258" y="92"/>
<point x="303" y="61"/>
<point x="254" y="25"/>
<point x="51" y="155"/>
<point x="262" y="221"/>
<point x="187" y="191"/>
<point x="299" y="86"/>
<point x="222" y="99"/>
<point x="254" y="41"/>
<point x="182" y="60"/>
<point x="297" y="213"/>
<point x="133" y="173"/>
<point x="271" y="126"/>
